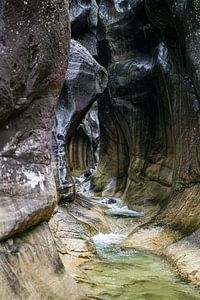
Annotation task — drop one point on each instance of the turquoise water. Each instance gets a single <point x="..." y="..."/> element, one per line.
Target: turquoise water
<point x="116" y="274"/>
<point x="129" y="275"/>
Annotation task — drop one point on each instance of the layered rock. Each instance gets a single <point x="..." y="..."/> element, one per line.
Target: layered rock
<point x="128" y="110"/>
<point x="83" y="146"/>
<point x="149" y="115"/>
<point x="85" y="78"/>
<point x="177" y="70"/>
<point x="70" y="236"/>
<point x="83" y="149"/>
<point x="30" y="268"/>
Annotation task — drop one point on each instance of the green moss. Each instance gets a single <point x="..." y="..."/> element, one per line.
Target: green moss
<point x="99" y="181"/>
<point x="197" y="7"/>
<point x="101" y="80"/>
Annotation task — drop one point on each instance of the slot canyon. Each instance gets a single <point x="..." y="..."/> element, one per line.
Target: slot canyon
<point x="100" y="149"/>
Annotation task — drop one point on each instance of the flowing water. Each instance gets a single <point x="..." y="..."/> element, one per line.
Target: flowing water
<point x="128" y="274"/>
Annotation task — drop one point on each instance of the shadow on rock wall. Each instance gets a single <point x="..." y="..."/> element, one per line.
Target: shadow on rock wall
<point x="149" y="115"/>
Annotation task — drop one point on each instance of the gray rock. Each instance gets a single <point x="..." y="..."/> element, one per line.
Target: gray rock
<point x="84" y="19"/>
<point x="85" y="78"/>
<point x="86" y="140"/>
<point x="149" y="115"/>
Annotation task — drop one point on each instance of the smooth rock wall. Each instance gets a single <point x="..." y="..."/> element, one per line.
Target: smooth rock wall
<point x="83" y="145"/>
<point x="149" y="115"/>
<point x="177" y="70"/>
<point x="84" y="80"/>
<point x="83" y="149"/>
<point x="128" y="110"/>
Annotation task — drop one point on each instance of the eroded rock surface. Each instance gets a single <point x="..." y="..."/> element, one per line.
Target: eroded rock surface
<point x="70" y="236"/>
<point x="34" y="40"/>
<point x="33" y="49"/>
<point x="83" y="148"/>
<point x="149" y="115"/>
<point x="128" y="109"/>
<point x="185" y="256"/>
<point x="177" y="70"/>
<point x="85" y="78"/>
<point x="84" y="19"/>
<point x="30" y="268"/>
<point x="149" y="120"/>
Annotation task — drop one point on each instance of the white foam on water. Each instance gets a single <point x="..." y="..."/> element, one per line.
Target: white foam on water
<point x="85" y="189"/>
<point x="105" y="240"/>
<point x="124" y="211"/>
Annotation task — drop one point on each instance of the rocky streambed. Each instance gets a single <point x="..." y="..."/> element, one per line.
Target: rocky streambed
<point x="108" y="262"/>
<point x="124" y="97"/>
<point x="127" y="274"/>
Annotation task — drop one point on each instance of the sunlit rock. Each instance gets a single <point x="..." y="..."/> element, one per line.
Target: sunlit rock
<point x="30" y="268"/>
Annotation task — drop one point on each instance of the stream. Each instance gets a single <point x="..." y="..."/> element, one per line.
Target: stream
<point x="117" y="273"/>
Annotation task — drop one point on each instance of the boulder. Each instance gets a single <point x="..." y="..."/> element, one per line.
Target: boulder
<point x="33" y="47"/>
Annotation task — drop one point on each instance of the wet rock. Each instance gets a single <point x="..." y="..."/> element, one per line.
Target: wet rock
<point x="89" y="213"/>
<point x="33" y="49"/>
<point x="85" y="78"/>
<point x="111" y="201"/>
<point x="151" y="238"/>
<point x="88" y="173"/>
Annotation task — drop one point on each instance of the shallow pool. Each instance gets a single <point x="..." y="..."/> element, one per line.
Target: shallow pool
<point x="128" y="275"/>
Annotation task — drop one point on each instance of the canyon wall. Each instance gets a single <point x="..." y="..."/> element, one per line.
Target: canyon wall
<point x="34" y="37"/>
<point x="149" y="114"/>
<point x="148" y="117"/>
<point x="84" y="80"/>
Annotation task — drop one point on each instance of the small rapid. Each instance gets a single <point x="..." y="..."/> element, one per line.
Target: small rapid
<point x="102" y="240"/>
<point x="127" y="274"/>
